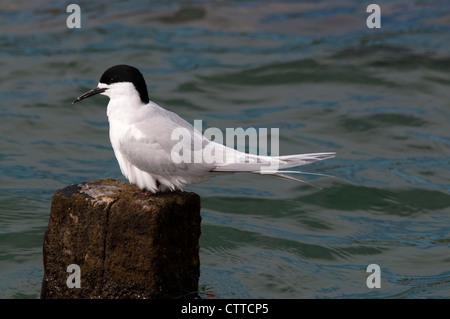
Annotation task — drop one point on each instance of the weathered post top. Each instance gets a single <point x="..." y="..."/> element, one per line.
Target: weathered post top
<point x="108" y="239"/>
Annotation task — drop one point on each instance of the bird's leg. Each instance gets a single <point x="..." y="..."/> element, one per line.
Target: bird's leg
<point x="147" y="193"/>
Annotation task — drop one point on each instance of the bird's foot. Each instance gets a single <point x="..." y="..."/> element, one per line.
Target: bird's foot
<point x="147" y="194"/>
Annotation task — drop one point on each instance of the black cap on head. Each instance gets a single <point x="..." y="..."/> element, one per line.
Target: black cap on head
<point x="120" y="73"/>
<point x="126" y="73"/>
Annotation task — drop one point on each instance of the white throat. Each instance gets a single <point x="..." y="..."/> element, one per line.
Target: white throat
<point x="124" y="99"/>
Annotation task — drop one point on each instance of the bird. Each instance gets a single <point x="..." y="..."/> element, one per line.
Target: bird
<point x="142" y="137"/>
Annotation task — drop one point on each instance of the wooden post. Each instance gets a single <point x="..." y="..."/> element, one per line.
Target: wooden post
<point x="125" y="243"/>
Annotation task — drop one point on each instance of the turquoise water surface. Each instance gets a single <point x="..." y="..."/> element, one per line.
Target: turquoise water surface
<point x="380" y="98"/>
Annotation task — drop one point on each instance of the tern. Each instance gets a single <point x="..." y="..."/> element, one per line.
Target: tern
<point x="142" y="137"/>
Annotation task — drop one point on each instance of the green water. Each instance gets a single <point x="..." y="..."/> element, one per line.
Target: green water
<point x="380" y="98"/>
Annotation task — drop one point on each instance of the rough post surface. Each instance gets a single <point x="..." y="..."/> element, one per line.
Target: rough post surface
<point x="127" y="244"/>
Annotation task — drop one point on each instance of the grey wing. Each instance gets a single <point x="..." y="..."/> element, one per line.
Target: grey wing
<point x="167" y="148"/>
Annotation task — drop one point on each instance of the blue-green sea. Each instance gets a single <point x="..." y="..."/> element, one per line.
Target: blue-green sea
<point x="379" y="97"/>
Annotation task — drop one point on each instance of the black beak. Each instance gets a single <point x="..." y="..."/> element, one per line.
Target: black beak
<point x="92" y="92"/>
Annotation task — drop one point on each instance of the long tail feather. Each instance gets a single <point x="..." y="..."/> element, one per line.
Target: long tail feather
<point x="260" y="164"/>
<point x="299" y="172"/>
<point x="253" y="163"/>
<point x="289" y="178"/>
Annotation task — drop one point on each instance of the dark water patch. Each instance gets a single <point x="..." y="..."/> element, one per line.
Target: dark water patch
<point x="184" y="103"/>
<point x="20" y="116"/>
<point x="321" y="142"/>
<point x="101" y="124"/>
<point x="407" y="202"/>
<point x="233" y="235"/>
<point x="396" y="57"/>
<point x="380" y="122"/>
<point x="250" y="113"/>
<point x="190" y="87"/>
<point x="392" y="110"/>
<point x="300" y="71"/>
<point x="245" y="205"/>
<point x="218" y="189"/>
<point x="413" y="62"/>
<point x="364" y="51"/>
<point x="183" y="15"/>
<point x="308" y="14"/>
<point x="351" y="251"/>
<point x="438" y="80"/>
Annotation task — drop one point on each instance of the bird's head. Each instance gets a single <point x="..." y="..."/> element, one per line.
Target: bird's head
<point x="120" y="81"/>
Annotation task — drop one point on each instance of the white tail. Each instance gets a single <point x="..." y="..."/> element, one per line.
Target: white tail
<point x="254" y="163"/>
<point x="261" y="164"/>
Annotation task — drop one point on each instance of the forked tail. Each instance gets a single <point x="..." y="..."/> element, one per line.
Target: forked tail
<point x="272" y="166"/>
